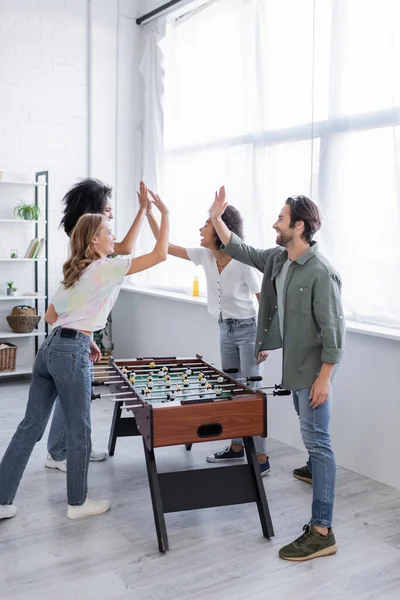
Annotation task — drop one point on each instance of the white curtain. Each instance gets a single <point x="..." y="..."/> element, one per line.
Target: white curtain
<point x="281" y="97"/>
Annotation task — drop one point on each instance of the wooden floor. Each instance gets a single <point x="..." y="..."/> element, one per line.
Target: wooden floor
<point x="216" y="554"/>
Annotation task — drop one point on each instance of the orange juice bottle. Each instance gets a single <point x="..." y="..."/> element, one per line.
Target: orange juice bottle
<point x="196" y="290"/>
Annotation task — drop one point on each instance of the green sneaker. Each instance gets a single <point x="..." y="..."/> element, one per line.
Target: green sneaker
<point x="309" y="545"/>
<point x="304" y="474"/>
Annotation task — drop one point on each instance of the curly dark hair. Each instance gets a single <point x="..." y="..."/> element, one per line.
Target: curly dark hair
<point x="303" y="209"/>
<point x="234" y="222"/>
<point x="87" y="196"/>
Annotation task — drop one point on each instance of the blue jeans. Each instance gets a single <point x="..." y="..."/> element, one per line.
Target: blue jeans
<point x="237" y="339"/>
<point x="62" y="367"/>
<point x="57" y="438"/>
<point x="314" y="427"/>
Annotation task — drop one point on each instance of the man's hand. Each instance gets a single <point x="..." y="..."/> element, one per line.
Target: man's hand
<point x="262" y="356"/>
<point x="143" y="197"/>
<point x="95" y="352"/>
<point x="319" y="392"/>
<point x="159" y="203"/>
<point x="219" y="205"/>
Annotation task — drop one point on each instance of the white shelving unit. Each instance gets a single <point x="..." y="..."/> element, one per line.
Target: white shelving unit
<point x="10" y="334"/>
<point x="21" y="370"/>
<point x="12" y="298"/>
<point x="20" y="221"/>
<point x="24" y="364"/>
<point x="20" y="259"/>
<point x="22" y="183"/>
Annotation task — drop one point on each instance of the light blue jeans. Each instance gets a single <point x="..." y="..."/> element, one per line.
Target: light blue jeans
<point x="237" y="345"/>
<point x="314" y="427"/>
<point x="62" y="367"/>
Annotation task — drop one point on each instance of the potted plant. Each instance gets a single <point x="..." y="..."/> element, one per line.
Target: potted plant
<point x="10" y="288"/>
<point x="106" y="346"/>
<point x="28" y="212"/>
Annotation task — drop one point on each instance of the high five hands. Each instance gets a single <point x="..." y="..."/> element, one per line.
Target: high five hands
<point x="219" y="205"/>
<point x="146" y="203"/>
<point x="156" y="200"/>
<point x="143" y="197"/>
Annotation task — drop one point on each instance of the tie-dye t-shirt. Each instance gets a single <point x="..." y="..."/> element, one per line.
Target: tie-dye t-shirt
<point x="87" y="304"/>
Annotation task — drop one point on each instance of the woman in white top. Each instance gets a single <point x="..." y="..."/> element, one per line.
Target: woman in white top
<point x="230" y="286"/>
<point x="90" y="287"/>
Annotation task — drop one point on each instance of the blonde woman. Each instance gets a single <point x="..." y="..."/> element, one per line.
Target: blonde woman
<point x="90" y="287"/>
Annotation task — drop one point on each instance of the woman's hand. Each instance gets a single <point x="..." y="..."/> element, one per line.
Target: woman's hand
<point x="156" y="200"/>
<point x="219" y="205"/>
<point x="95" y="352"/>
<point x="143" y="197"/>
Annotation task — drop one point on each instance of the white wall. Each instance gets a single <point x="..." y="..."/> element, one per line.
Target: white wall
<point x="70" y="102"/>
<point x="366" y="408"/>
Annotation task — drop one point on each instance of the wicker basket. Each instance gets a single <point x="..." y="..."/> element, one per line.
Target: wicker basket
<point x="22" y="310"/>
<point x="23" y="324"/>
<point x="8" y="357"/>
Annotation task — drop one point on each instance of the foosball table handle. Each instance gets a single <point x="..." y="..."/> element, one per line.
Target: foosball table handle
<point x="281" y="392"/>
<point x="254" y="378"/>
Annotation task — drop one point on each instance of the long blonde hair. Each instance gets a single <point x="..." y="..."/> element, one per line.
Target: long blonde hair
<point x="82" y="253"/>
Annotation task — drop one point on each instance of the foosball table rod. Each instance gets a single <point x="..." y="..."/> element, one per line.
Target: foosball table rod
<point x="182" y="395"/>
<point x="99" y="396"/>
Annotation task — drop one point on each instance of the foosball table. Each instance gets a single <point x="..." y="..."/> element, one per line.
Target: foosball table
<point x="171" y="401"/>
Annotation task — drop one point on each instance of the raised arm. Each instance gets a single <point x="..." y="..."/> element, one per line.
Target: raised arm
<point x="232" y="244"/>
<point x="178" y="251"/>
<point x="127" y="244"/>
<point x="216" y="211"/>
<point x="160" y="251"/>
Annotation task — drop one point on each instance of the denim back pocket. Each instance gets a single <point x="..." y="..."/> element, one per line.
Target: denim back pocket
<point x="61" y="365"/>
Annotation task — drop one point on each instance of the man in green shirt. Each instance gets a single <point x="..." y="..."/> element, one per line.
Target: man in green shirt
<point x="300" y="311"/>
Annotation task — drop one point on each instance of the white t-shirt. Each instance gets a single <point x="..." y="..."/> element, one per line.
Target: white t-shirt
<point x="228" y="293"/>
<point x="87" y="304"/>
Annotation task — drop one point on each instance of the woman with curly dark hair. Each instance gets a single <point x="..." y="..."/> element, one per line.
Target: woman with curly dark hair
<point x="92" y="196"/>
<point x="230" y="286"/>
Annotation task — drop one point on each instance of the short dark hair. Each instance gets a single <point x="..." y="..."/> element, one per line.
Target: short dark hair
<point x="303" y="209"/>
<point x="233" y="220"/>
<point x="87" y="196"/>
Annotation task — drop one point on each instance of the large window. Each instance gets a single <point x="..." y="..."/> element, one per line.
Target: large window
<point x="281" y="97"/>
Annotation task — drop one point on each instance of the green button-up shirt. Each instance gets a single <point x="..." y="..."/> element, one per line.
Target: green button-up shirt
<point x="313" y="325"/>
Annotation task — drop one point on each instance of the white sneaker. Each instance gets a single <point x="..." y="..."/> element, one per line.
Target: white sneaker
<point x="55" y="464"/>
<point x="97" y="456"/>
<point x="7" y="511"/>
<point x="88" y="508"/>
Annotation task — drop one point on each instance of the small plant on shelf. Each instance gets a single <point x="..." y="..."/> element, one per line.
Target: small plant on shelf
<point x="28" y="212"/>
<point x="10" y="288"/>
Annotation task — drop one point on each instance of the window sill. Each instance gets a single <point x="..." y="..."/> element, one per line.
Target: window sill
<point x="130" y="287"/>
<point x="375" y="330"/>
<point x="351" y="326"/>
